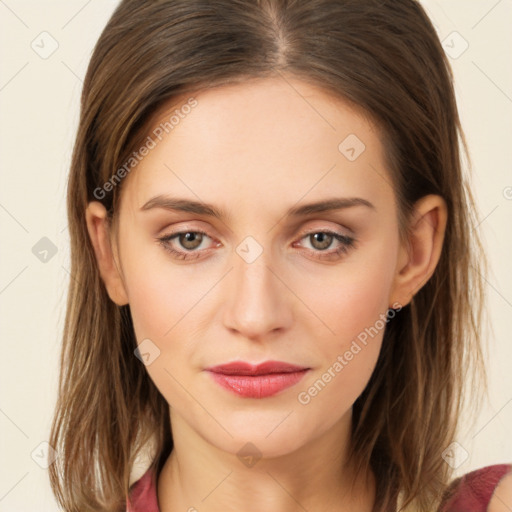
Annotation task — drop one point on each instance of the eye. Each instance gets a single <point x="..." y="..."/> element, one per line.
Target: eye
<point x="322" y="240"/>
<point x="189" y="240"/>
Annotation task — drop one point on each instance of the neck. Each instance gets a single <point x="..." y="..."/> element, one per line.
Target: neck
<point x="199" y="476"/>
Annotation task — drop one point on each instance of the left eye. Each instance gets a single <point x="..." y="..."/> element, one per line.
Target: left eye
<point x="191" y="241"/>
<point x="321" y="240"/>
<point x="325" y="239"/>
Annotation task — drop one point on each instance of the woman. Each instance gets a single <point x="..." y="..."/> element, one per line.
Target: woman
<point x="276" y="279"/>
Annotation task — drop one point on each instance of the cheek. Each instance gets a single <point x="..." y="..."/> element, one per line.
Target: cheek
<point x="160" y="292"/>
<point x="163" y="299"/>
<point x="353" y="305"/>
<point x="150" y="304"/>
<point x="353" y="297"/>
<point x="156" y="305"/>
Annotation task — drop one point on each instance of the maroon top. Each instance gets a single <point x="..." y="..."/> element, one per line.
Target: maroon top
<point x="473" y="491"/>
<point x="469" y="493"/>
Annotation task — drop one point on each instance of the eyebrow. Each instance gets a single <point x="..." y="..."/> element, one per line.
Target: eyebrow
<point x="186" y="205"/>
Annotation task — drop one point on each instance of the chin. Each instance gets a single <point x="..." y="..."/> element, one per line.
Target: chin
<point x="266" y="436"/>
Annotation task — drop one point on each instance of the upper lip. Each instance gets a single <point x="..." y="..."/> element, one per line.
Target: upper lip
<point x="265" y="368"/>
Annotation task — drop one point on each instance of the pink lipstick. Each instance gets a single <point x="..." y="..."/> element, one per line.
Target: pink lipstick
<point x="257" y="381"/>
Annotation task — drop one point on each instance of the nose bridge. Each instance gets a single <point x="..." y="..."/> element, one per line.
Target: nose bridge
<point x="258" y="302"/>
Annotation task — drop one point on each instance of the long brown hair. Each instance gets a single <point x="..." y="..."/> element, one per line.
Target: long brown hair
<point x="383" y="56"/>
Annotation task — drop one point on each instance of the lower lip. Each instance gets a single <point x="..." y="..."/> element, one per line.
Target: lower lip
<point x="258" y="386"/>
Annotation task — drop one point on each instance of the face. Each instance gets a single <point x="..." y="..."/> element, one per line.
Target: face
<point x="266" y="279"/>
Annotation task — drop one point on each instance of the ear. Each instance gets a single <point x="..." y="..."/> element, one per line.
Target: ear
<point x="99" y="232"/>
<point x="419" y="255"/>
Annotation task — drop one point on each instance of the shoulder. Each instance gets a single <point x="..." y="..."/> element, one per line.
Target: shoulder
<point x="501" y="500"/>
<point x="487" y="489"/>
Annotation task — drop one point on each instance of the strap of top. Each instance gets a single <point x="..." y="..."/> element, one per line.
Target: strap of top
<point x="143" y="495"/>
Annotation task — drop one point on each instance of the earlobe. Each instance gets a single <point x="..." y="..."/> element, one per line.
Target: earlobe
<point x="97" y="226"/>
<point x="419" y="257"/>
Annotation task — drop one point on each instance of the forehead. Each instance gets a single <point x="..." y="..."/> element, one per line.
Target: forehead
<point x="275" y="138"/>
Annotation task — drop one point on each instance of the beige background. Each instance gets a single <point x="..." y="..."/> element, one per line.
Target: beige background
<point x="39" y="112"/>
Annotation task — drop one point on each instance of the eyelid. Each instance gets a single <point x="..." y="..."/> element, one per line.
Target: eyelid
<point x="300" y="235"/>
<point x="339" y="230"/>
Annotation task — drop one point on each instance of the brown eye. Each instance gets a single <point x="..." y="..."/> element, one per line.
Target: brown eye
<point x="321" y="240"/>
<point x="190" y="240"/>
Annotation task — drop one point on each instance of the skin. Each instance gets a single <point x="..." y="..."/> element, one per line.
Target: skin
<point x="501" y="500"/>
<point x="255" y="150"/>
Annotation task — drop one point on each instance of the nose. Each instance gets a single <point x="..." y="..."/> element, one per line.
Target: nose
<point x="259" y="302"/>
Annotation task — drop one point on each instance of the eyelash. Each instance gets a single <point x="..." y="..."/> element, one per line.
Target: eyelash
<point x="347" y="243"/>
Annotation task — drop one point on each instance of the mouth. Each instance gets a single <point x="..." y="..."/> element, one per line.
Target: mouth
<point x="257" y="381"/>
